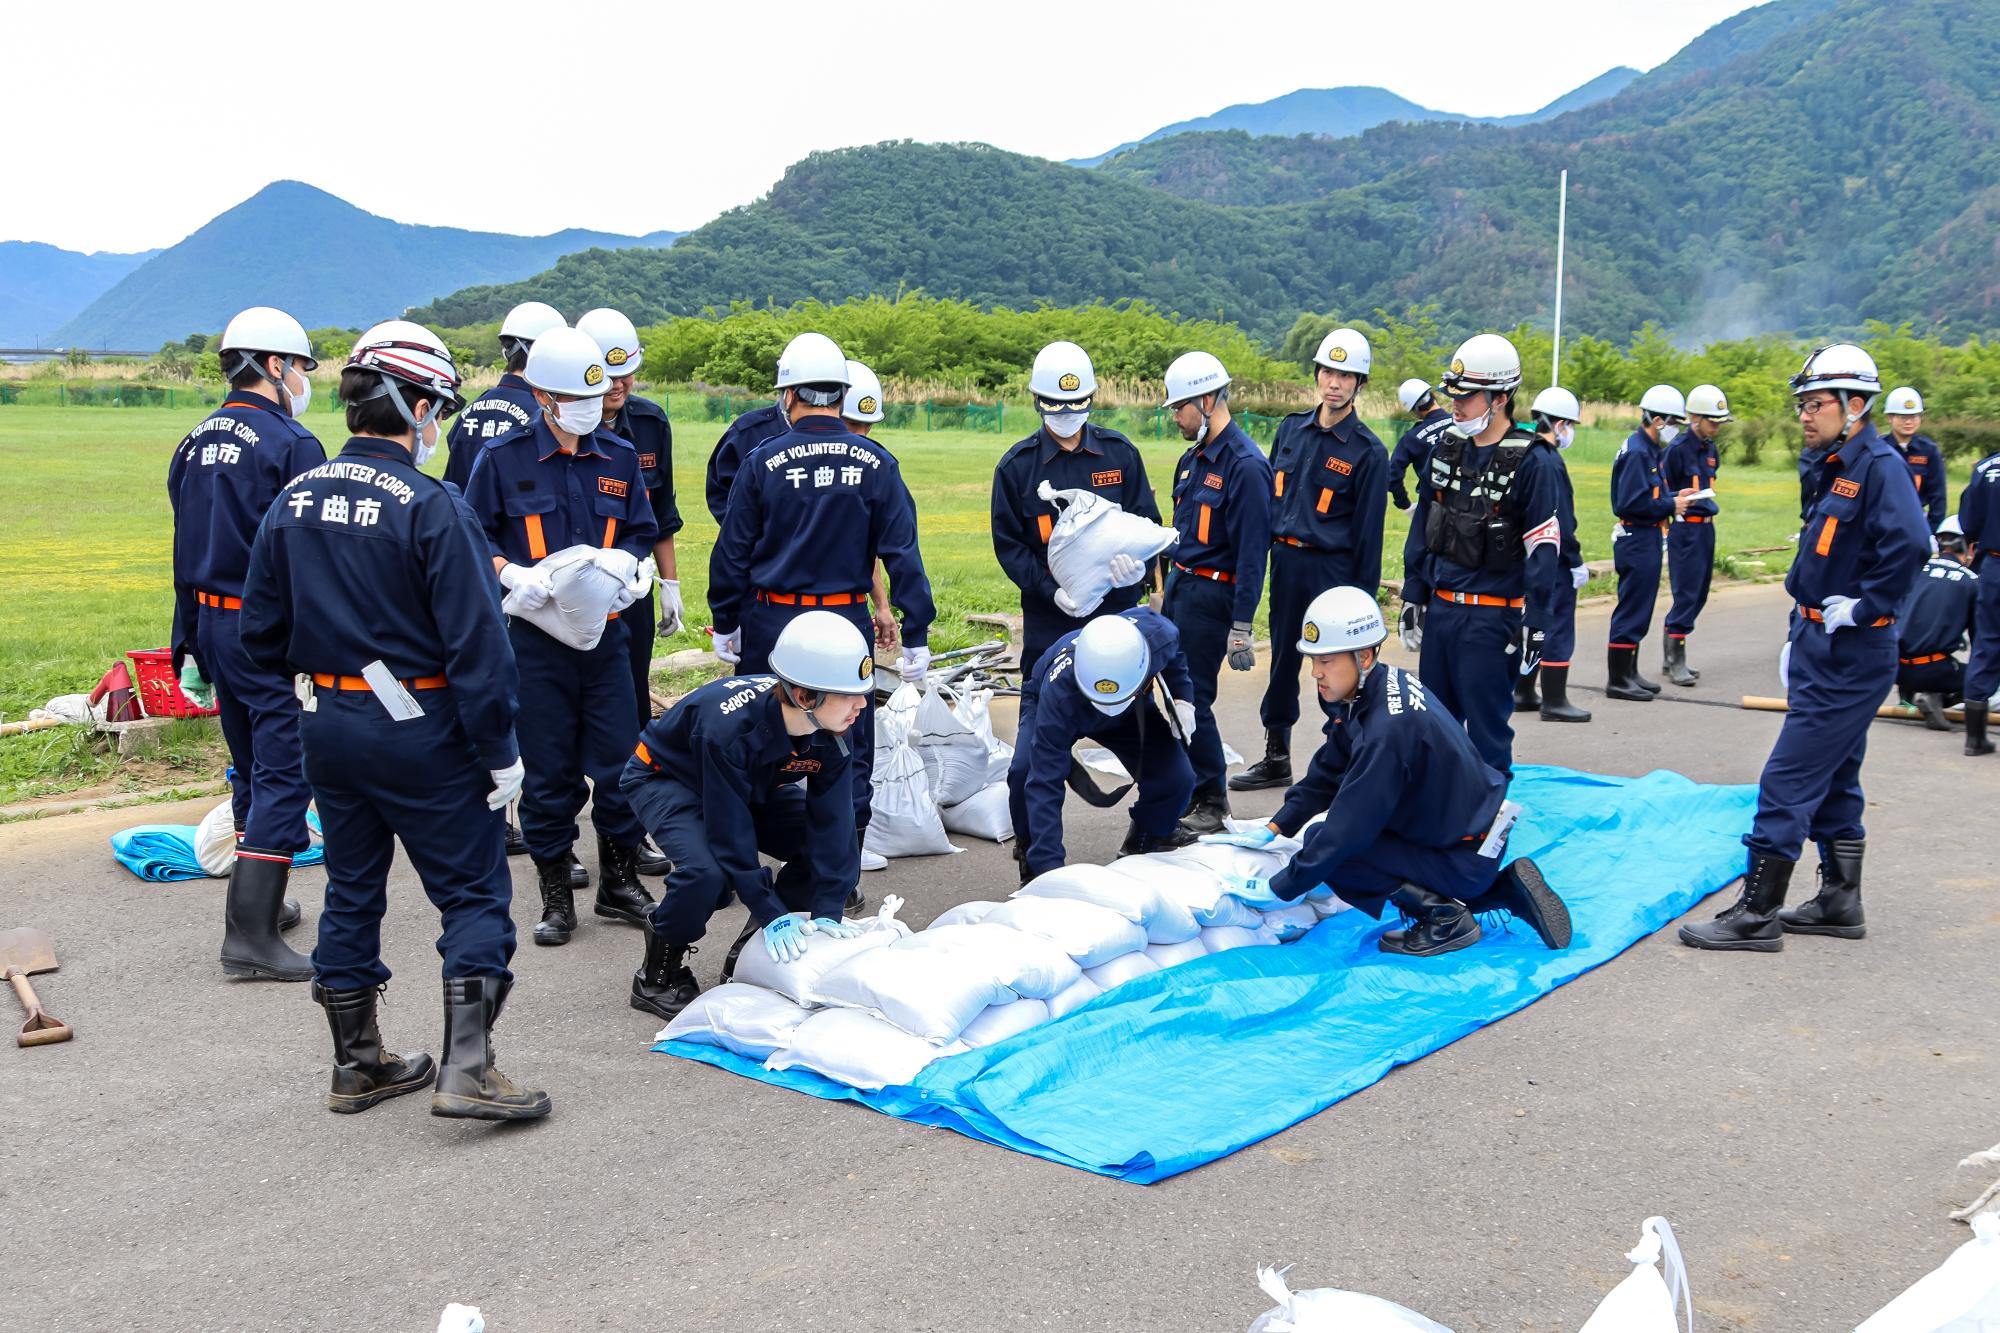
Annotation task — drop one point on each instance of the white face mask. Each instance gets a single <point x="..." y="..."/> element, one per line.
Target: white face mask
<point x="303" y="398"/>
<point x="580" y="417"/>
<point x="1063" y="425"/>
<point x="1466" y="430"/>
<point x="1565" y="435"/>
<point x="425" y="448"/>
<point x="1669" y="433"/>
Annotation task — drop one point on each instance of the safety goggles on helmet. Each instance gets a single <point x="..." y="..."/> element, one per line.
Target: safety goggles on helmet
<point x="1051" y="406"/>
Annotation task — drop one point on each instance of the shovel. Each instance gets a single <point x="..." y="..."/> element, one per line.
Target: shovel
<point x="23" y="953"/>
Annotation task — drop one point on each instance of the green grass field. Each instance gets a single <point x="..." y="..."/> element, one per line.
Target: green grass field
<point x="86" y="538"/>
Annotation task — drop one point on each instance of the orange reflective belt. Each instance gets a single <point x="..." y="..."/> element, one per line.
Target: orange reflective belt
<point x="537" y="548"/>
<point x="1218" y="575"/>
<point x="1294" y="541"/>
<point x="328" y="681"/>
<point x="1923" y="661"/>
<point x="811" y="599"/>
<point x="1813" y="613"/>
<point x="1478" y="599"/>
<point x="1694" y="518"/>
<point x="218" y="601"/>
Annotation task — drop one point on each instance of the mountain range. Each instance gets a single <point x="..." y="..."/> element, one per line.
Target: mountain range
<point x="43" y="285"/>
<point x="293" y="246"/>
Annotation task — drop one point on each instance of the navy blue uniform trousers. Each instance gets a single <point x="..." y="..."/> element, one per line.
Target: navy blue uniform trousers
<point x="1559" y="640"/>
<point x="1943" y="677"/>
<point x="1468" y="663"/>
<point x="762" y="623"/>
<point x="1298" y="574"/>
<point x="695" y="888"/>
<point x="1690" y="568"/>
<point x="1460" y="872"/>
<point x="1636" y="556"/>
<point x="1200" y="610"/>
<point x="260" y="723"/>
<point x="1982" y="666"/>
<point x="1150" y="751"/>
<point x="1811" y="785"/>
<point x="576" y="721"/>
<point x="379" y="780"/>
<point x="640" y="620"/>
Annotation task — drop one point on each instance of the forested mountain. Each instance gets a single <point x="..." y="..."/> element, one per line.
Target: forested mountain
<point x="43" y="285"/>
<point x="1802" y="166"/>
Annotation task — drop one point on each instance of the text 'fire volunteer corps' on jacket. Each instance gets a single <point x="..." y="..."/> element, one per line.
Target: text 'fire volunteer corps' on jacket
<point x="1102" y="461"/>
<point x="742" y="437"/>
<point x="503" y="409"/>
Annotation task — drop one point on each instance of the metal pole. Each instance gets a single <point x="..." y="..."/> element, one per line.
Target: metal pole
<point x="1562" y="225"/>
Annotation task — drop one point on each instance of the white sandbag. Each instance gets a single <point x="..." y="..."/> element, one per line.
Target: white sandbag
<point x="1169" y="955"/>
<point x="999" y="758"/>
<point x="1290" y="923"/>
<point x="1331" y="1310"/>
<point x="1644" y="1302"/>
<point x="1961" y="1295"/>
<point x="984" y="814"/>
<point x="1090" y="934"/>
<point x="1121" y="970"/>
<point x="1088" y="531"/>
<point x="739" y="1017"/>
<point x="215" y="840"/>
<point x="799" y="980"/>
<point x="582" y="593"/>
<point x="1165" y="920"/>
<point x="1028" y="965"/>
<point x="859" y="1050"/>
<point x="1104" y="763"/>
<point x="962" y="915"/>
<point x="1228" y="861"/>
<point x="977" y="708"/>
<point x="954" y="754"/>
<point x="1327" y="906"/>
<point x="76" y="708"/>
<point x="1221" y="939"/>
<point x="1196" y="887"/>
<point x="1003" y="1021"/>
<point x="896" y="719"/>
<point x="1079" y="993"/>
<point x="928" y="993"/>
<point x="1231" y="911"/>
<point x="905" y="820"/>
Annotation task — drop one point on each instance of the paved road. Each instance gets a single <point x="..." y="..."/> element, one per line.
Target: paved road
<point x="1797" y="1116"/>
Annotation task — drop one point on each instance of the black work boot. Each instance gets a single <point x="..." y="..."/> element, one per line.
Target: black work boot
<point x="743" y="937"/>
<point x="256" y="895"/>
<point x="1676" y="664"/>
<point x="1975" y="728"/>
<point x="1436" y="924"/>
<point x="1931" y="708"/>
<point x="1556" y="706"/>
<point x="289" y="915"/>
<point x="1020" y="850"/>
<point x="1526" y="699"/>
<point x="364" y="1073"/>
<point x="1836" y="908"/>
<point x="1622" y="679"/>
<point x="468" y="1086"/>
<point x="1522" y="893"/>
<point x="1751" y="922"/>
<point x="516" y="844"/>
<point x="664" y="984"/>
<point x="558" y="921"/>
<point x="618" y="893"/>
<point x="1206" y="811"/>
<point x="1274" y="769"/>
<point x="1139" y="844"/>
<point x="652" y="861"/>
<point x="1649" y="686"/>
<point x="857" y="901"/>
<point x="579" y="878"/>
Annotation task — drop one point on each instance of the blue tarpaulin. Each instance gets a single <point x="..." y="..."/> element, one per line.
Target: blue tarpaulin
<point x="165" y="852"/>
<point x="1177" y="1068"/>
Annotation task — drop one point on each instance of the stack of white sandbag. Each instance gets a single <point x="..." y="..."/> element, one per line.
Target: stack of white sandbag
<point x="905" y="819"/>
<point x="964" y="762"/>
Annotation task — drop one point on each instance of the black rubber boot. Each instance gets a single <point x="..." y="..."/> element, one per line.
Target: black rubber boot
<point x="1274" y="769"/>
<point x="1556" y="706"/>
<point x="652" y="861"/>
<point x="468" y="1086"/>
<point x="1622" y="680"/>
<point x="1437" y="924"/>
<point x="1676" y="665"/>
<point x="1020" y="851"/>
<point x="743" y="937"/>
<point x="1522" y="893"/>
<point x="619" y="896"/>
<point x="289" y="915"/>
<point x="857" y="901"/>
<point x="1649" y="686"/>
<point x="1206" y="812"/>
<point x="579" y="878"/>
<point x="256" y="895"/>
<point x="664" y="984"/>
<point x="558" y="921"/>
<point x="1139" y="844"/>
<point x="1526" y="698"/>
<point x="1931" y="708"/>
<point x="1975" y="728"/>
<point x="364" y="1073"/>
<point x="516" y="844"/>
<point x="1751" y="922"/>
<point x="1836" y="908"/>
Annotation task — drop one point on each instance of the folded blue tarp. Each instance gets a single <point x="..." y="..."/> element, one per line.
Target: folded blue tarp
<point x="1177" y="1068"/>
<point x="165" y="852"/>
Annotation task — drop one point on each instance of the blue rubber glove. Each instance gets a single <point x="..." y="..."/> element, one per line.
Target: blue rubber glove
<point x="1838" y="612"/>
<point x="785" y="938"/>
<point x="835" y="928"/>
<point x="1255" y="892"/>
<point x="195" y="687"/>
<point x="1262" y="836"/>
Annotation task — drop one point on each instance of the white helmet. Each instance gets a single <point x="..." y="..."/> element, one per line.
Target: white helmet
<point x="1344" y="349"/>
<point x="1111" y="662"/>
<point x="1341" y="620"/>
<point x="811" y="359"/>
<point x="264" y="328"/>
<point x="1705" y="400"/>
<point x="1193" y="374"/>
<point x="1062" y="374"/>
<point x="1951" y="527"/>
<point x="530" y="320"/>
<point x="1838" y="366"/>
<point x="1557" y="404"/>
<point x="1411" y="392"/>
<point x="1484" y="361"/>
<point x="819" y="651"/>
<point x="567" y="361"/>
<point x="1664" y="400"/>
<point x="1904" y="402"/>
<point x="863" y="399"/>
<point x="406" y="353"/>
<point x="616" y="338"/>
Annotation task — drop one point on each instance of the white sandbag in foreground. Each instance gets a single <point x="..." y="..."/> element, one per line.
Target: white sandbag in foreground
<point x="858" y="1049"/>
<point x="581" y="595"/>
<point x="1962" y="1295"/>
<point x="928" y="993"/>
<point x="1164" y="919"/>
<point x="799" y="981"/>
<point x="1082" y="992"/>
<point x="1221" y="939"/>
<point x="1028" y="965"/>
<point x="1170" y="955"/>
<point x="1120" y="970"/>
<point x="1003" y="1021"/>
<point x="1644" y="1302"/>
<point x="1088" y="531"/>
<point x="1090" y="934"/>
<point x="905" y="820"/>
<point x="984" y="814"/>
<point x="739" y="1017"/>
<point x="215" y="840"/>
<point x="1291" y="923"/>
<point x="1331" y="1310"/>
<point x="954" y="754"/>
<point x="964" y="914"/>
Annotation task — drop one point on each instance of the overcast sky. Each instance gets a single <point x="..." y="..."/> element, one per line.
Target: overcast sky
<point x="131" y="124"/>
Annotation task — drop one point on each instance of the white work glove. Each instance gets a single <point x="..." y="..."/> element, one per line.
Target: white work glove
<point x="915" y="664"/>
<point x="506" y="785"/>
<point x="1065" y="605"/>
<point x="1617" y="532"/>
<point x="1578" y="577"/>
<point x="1838" y="612"/>
<point x="729" y="647"/>
<point x="1785" y="665"/>
<point x="1184" y="714"/>
<point x="527" y="588"/>
<point x="670" y="608"/>
<point x="1410" y="626"/>
<point x="1242" y="657"/>
<point x="1125" y="571"/>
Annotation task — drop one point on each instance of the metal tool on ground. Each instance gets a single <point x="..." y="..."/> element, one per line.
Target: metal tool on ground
<point x="25" y="952"/>
<point x="1904" y="712"/>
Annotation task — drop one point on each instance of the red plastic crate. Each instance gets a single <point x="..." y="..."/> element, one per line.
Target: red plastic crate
<point x="159" y="690"/>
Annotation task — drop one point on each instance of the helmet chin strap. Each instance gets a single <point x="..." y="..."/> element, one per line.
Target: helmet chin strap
<point x="839" y="737"/>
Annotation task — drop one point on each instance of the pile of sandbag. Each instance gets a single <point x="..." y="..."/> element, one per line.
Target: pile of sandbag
<point x="874" y="1010"/>
<point x="938" y="770"/>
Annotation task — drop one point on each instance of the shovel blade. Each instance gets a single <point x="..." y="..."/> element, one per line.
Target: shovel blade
<point x="27" y="951"/>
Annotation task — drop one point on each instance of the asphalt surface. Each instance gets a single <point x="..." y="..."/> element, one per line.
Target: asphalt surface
<point x="1797" y="1116"/>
